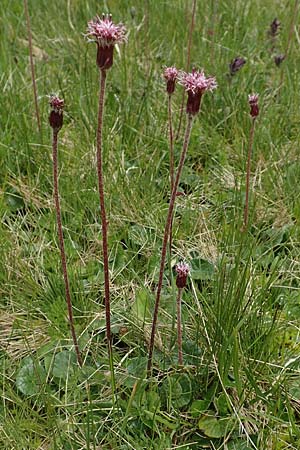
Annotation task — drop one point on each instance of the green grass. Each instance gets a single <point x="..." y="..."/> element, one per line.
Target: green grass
<point x="239" y="388"/>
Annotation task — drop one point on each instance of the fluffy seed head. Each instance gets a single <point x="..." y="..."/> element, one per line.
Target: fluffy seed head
<point x="104" y="32"/>
<point x="170" y="75"/>
<point x="253" y="102"/>
<point x="195" y="83"/>
<point x="182" y="270"/>
<point x="56" y="114"/>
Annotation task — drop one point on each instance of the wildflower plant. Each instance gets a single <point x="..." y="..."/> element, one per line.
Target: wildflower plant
<point x="235" y="65"/>
<point x="182" y="270"/>
<point x="170" y="74"/>
<point x="56" y="123"/>
<point x="106" y="35"/>
<point x="196" y="83"/>
<point x="254" y="112"/>
<point x="188" y="62"/>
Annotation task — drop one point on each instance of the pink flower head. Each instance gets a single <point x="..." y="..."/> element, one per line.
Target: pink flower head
<point x="253" y="102"/>
<point x="182" y="270"/>
<point x="170" y="75"/>
<point x="195" y="83"/>
<point x="106" y="34"/>
<point x="56" y="115"/>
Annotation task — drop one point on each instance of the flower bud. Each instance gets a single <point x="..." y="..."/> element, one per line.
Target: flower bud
<point x="56" y="114"/>
<point x="253" y="102"/>
<point x="182" y="270"/>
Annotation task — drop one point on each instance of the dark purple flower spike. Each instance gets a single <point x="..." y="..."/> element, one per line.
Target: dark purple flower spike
<point x="235" y="65"/>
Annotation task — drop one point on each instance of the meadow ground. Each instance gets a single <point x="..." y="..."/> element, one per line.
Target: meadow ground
<point x="239" y="387"/>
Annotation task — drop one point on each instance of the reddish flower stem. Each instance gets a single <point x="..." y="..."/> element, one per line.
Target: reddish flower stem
<point x="102" y="209"/>
<point x="37" y="114"/>
<point x="62" y="247"/>
<point x="179" y="329"/>
<point x="166" y="238"/>
<point x="246" y="209"/>
<point x="171" y="137"/>
<point x="188" y="62"/>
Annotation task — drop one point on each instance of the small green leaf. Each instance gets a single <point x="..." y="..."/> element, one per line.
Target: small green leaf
<point x="63" y="364"/>
<point x="140" y="307"/>
<point x="213" y="427"/>
<point x="202" y="269"/>
<point x="30" y="377"/>
<point x="198" y="407"/>
<point x="238" y="445"/>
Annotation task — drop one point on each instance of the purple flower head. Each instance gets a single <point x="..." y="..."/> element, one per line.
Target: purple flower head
<point x="170" y="75"/>
<point x="236" y="64"/>
<point x="278" y="59"/>
<point x="182" y="270"/>
<point x="195" y="83"/>
<point x="253" y="102"/>
<point x="274" y="28"/>
<point x="106" y="34"/>
<point x="56" y="114"/>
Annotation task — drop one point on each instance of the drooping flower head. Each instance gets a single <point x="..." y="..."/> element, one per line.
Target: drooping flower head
<point x="253" y="102"/>
<point x="195" y="83"/>
<point x="170" y="75"/>
<point x="56" y="114"/>
<point x="182" y="270"/>
<point x="106" y="34"/>
<point x="278" y="59"/>
<point x="274" y="28"/>
<point x="236" y="64"/>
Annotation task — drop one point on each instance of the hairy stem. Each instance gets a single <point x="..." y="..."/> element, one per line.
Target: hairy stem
<point x="246" y="209"/>
<point x="104" y="224"/>
<point x="166" y="238"/>
<point x="188" y="62"/>
<point x="179" y="329"/>
<point x="37" y="113"/>
<point x="171" y="140"/>
<point x="62" y="247"/>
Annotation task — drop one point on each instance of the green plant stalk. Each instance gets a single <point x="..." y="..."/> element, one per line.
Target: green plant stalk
<point x="166" y="237"/>
<point x="179" y="327"/>
<point x="37" y="113"/>
<point x="246" y="208"/>
<point x="62" y="247"/>
<point x="188" y="62"/>
<point x="104" y="223"/>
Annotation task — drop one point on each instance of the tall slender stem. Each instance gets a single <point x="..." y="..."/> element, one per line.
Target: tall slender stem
<point x="171" y="142"/>
<point x="104" y="226"/>
<point x="188" y="62"/>
<point x="246" y="209"/>
<point x="32" y="66"/>
<point x="102" y="209"/>
<point x="179" y="329"/>
<point x="62" y="247"/>
<point x="166" y="237"/>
